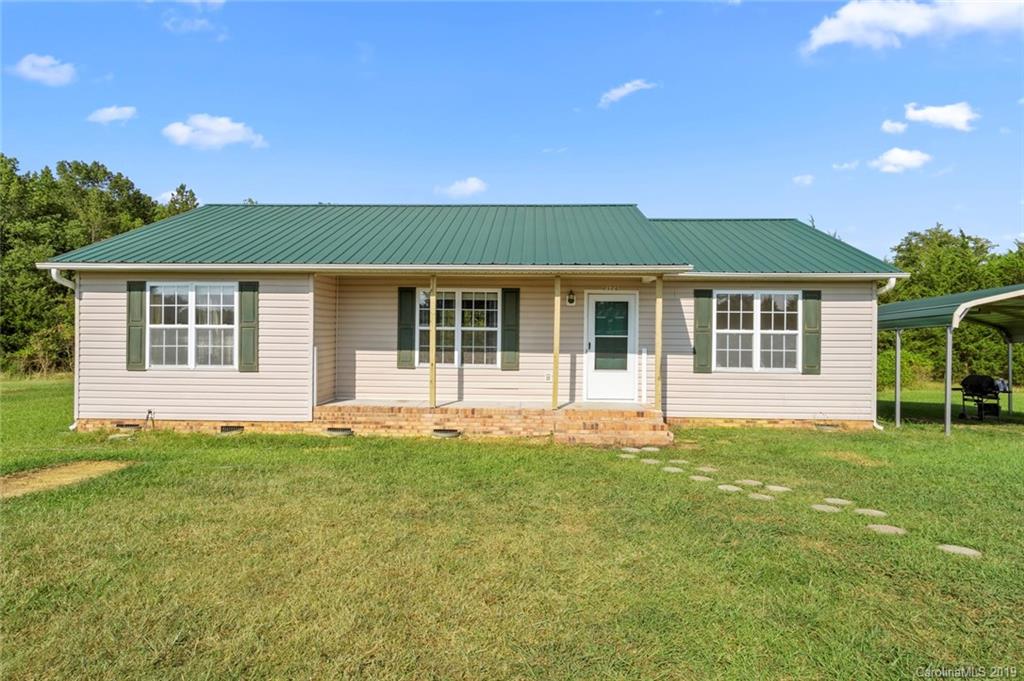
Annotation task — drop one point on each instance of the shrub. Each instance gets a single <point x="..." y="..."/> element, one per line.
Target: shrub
<point x="916" y="369"/>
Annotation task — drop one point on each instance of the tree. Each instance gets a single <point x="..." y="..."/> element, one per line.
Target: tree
<point x="42" y="214"/>
<point x="182" y="200"/>
<point x="941" y="262"/>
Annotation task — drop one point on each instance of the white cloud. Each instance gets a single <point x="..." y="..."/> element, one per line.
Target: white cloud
<point x="109" y="114"/>
<point x="897" y="160"/>
<point x="555" y="150"/>
<point x="957" y="116"/>
<point x="804" y="180"/>
<point x="205" y="4"/>
<point x="44" y="69"/>
<point x="847" y="165"/>
<point x="204" y="131"/>
<point x="894" y="127"/>
<point x="617" y="93"/>
<point x="176" y="24"/>
<point x="463" y="188"/>
<point x="165" y="197"/>
<point x="885" y="23"/>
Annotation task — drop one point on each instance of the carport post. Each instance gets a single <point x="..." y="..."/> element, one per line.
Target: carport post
<point x="1009" y="375"/>
<point x="899" y="334"/>
<point x="949" y="380"/>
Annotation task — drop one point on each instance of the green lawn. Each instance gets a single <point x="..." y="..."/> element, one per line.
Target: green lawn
<point x="300" y="557"/>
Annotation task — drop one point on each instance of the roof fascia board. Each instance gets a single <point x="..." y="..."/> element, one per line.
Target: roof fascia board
<point x="366" y="269"/>
<point x="838" y="276"/>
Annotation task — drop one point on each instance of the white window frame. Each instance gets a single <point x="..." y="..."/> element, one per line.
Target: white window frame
<point x="757" y="368"/>
<point x="458" y="327"/>
<point x="191" y="365"/>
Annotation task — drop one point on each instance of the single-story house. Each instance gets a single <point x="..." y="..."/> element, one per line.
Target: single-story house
<point x="592" y="322"/>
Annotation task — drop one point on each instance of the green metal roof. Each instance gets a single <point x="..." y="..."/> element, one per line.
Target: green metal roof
<point x="1001" y="308"/>
<point x="596" y="235"/>
<point x="761" y="245"/>
<point x="474" y="235"/>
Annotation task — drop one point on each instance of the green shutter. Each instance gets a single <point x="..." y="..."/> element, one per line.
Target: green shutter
<point x="812" y="332"/>
<point x="509" y="329"/>
<point x="406" y="327"/>
<point x="248" y="326"/>
<point x="135" y="356"/>
<point x="702" y="311"/>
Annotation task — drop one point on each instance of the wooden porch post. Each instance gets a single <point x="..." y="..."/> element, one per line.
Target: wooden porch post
<point x="433" y="341"/>
<point x="555" y="340"/>
<point x="658" y="289"/>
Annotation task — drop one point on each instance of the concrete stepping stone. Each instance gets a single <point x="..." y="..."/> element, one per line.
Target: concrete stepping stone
<point x="749" y="483"/>
<point x="650" y="449"/>
<point x="825" y="508"/>
<point x="887" y="529"/>
<point x="777" y="488"/>
<point x="707" y="469"/>
<point x="960" y="550"/>
<point x="870" y="512"/>
<point x="700" y="478"/>
<point x="627" y="456"/>
<point x="631" y="449"/>
<point x="730" y="488"/>
<point x="650" y="461"/>
<point x="761" y="497"/>
<point x="836" y="501"/>
<point x="672" y="469"/>
<point x="684" y="461"/>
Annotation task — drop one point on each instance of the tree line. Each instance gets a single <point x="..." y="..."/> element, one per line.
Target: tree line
<point x="48" y="212"/>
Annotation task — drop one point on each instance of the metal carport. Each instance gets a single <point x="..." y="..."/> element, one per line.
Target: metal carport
<point x="998" y="308"/>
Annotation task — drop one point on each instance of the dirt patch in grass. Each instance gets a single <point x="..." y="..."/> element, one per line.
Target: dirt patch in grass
<point x="854" y="457"/>
<point x="25" y="482"/>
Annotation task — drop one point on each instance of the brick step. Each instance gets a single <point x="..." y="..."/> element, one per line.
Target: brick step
<point x="616" y="425"/>
<point x="603" y="414"/>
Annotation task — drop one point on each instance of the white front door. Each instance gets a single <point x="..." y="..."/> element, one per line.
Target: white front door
<point x="611" y="346"/>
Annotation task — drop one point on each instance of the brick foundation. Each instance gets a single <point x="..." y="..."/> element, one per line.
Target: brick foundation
<point x="806" y="424"/>
<point x="602" y="427"/>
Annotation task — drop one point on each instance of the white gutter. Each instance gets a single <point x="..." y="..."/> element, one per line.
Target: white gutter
<point x="63" y="281"/>
<point x="369" y="269"/>
<point x="833" y="276"/>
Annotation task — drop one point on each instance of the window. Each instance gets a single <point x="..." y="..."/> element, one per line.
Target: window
<point x="191" y="325"/>
<point x="467" y="328"/>
<point x="479" y="334"/>
<point x="168" y="325"/>
<point x="757" y="331"/>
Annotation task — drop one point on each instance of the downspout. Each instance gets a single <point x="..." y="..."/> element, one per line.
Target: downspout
<point x="889" y="285"/>
<point x="64" y="281"/>
<point x="60" y="279"/>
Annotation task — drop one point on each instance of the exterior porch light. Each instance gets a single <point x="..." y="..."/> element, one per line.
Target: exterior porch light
<point x="570" y="298"/>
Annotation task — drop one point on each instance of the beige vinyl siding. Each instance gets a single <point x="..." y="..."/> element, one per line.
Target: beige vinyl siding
<point x="325" y="335"/>
<point x="280" y="391"/>
<point x="845" y="389"/>
<point x="367" y="341"/>
<point x="368" y="313"/>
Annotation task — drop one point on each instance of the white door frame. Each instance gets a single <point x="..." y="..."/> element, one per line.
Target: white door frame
<point x="634" y="340"/>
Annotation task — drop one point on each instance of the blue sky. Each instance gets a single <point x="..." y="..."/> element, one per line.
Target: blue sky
<point x="710" y="109"/>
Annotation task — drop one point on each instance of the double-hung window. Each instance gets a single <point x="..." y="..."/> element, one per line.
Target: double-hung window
<point x="757" y="331"/>
<point x="467" y="328"/>
<point x="192" y="325"/>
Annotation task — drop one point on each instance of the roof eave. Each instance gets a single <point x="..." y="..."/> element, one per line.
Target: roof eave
<point x="365" y="268"/>
<point x="836" y="276"/>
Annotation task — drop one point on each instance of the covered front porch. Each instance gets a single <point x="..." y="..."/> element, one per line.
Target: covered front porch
<point x="576" y="356"/>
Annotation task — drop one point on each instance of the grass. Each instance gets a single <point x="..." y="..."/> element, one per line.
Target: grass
<point x="284" y="557"/>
